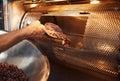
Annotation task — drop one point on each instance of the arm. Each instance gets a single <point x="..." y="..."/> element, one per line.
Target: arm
<point x="11" y="38"/>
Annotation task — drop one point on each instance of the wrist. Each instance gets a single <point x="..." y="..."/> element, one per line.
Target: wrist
<point x="24" y="33"/>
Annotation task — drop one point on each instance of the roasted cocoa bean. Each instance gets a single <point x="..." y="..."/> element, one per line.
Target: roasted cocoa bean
<point x="10" y="72"/>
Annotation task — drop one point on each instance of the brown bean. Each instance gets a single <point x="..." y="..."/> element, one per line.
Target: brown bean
<point x="10" y="72"/>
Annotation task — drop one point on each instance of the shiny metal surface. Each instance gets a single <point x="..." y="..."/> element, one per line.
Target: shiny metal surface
<point x="28" y="58"/>
<point x="100" y="40"/>
<point x="97" y="49"/>
<point x="78" y="57"/>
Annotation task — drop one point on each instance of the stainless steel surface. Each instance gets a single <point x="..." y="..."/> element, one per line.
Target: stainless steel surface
<point x="50" y="2"/>
<point x="100" y="41"/>
<point x="28" y="58"/>
<point x="105" y="63"/>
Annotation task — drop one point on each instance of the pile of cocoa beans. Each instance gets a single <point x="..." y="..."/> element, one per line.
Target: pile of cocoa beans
<point x="10" y="72"/>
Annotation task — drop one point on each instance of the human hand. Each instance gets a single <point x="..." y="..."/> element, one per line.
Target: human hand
<point x="35" y="29"/>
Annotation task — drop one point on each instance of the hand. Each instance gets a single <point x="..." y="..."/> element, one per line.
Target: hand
<point x="35" y="29"/>
<point x="11" y="38"/>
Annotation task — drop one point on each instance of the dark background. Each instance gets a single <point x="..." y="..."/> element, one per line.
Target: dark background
<point x="1" y="15"/>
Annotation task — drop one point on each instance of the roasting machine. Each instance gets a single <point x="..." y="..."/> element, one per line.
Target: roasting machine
<point x="94" y="31"/>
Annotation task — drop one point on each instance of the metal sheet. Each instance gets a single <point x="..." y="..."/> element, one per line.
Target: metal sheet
<point x="100" y="40"/>
<point x="28" y="58"/>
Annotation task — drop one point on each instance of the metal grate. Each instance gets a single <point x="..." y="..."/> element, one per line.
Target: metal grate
<point x="101" y="36"/>
<point x="100" y="41"/>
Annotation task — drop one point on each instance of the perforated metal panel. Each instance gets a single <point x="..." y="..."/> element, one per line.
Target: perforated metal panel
<point x="100" y="41"/>
<point x="101" y="35"/>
